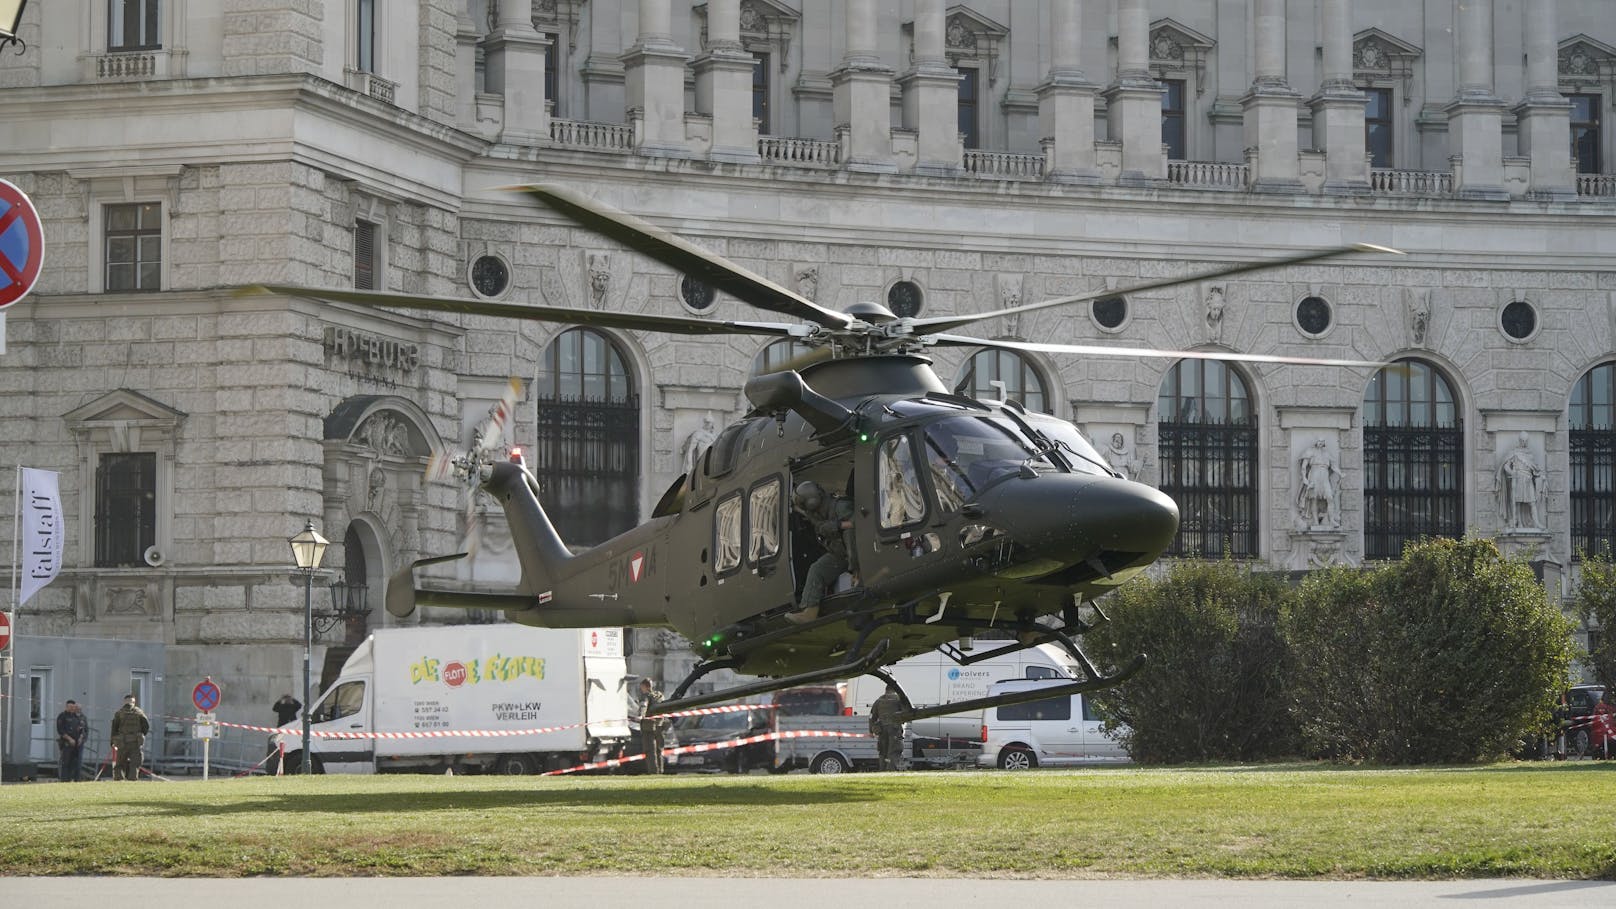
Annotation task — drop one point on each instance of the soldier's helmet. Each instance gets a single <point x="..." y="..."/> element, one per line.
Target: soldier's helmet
<point x="808" y="496"/>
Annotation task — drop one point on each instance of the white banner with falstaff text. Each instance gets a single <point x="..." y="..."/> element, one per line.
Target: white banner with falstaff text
<point x="40" y="511"/>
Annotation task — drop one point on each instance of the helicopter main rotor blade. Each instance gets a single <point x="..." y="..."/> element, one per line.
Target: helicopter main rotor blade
<point x="1103" y="351"/>
<point x="710" y="268"/>
<point x="626" y="320"/>
<point x="949" y="323"/>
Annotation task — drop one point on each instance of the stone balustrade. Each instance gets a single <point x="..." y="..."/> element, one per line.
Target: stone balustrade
<point x="1004" y="165"/>
<point x="590" y="134"/>
<point x="1208" y="174"/>
<point x="116" y="67"/>
<point x="1410" y="182"/>
<point x="1597" y="185"/>
<point x="799" y="152"/>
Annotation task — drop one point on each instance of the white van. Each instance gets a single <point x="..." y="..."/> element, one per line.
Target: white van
<point x="933" y="678"/>
<point x="1054" y="732"/>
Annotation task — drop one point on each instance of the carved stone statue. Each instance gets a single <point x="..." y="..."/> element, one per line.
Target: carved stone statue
<point x="600" y="278"/>
<point x="1521" y="487"/>
<point x="1318" y="490"/>
<point x="697" y="442"/>
<point x="808" y="281"/>
<point x="1009" y="287"/>
<point x="1419" y="312"/>
<point x="1214" y="312"/>
<point x="1119" y="455"/>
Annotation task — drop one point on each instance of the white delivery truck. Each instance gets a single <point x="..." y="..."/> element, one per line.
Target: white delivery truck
<point x="933" y="678"/>
<point x="553" y="697"/>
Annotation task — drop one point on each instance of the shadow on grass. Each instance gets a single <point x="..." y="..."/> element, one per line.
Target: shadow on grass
<point x="674" y="796"/>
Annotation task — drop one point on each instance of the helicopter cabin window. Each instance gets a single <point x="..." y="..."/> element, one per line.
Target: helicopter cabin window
<point x="1079" y="454"/>
<point x="727" y="535"/>
<point x="902" y="500"/>
<point x="968" y="454"/>
<point x="763" y="514"/>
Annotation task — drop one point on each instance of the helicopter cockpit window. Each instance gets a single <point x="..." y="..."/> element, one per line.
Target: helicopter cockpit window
<point x="902" y="501"/>
<point x="764" y="510"/>
<point x="727" y="535"/>
<point x="968" y="454"/>
<point x="1078" y="451"/>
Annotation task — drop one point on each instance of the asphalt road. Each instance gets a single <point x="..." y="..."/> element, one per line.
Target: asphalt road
<point x="786" y="893"/>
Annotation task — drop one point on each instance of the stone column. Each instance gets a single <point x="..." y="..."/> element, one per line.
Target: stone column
<point x="654" y="77"/>
<point x="1544" y="116"/>
<point x="1476" y="115"/>
<point x="465" y="69"/>
<point x="724" y="85"/>
<point x="1269" y="108"/>
<point x="1133" y="101"/>
<point x="1338" y="108"/>
<point x="515" y="66"/>
<point x="1066" y="102"/>
<point x="861" y="95"/>
<point x="931" y="96"/>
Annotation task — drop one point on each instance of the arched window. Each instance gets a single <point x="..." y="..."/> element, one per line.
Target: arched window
<point x="1207" y="441"/>
<point x="775" y="356"/>
<point x="1592" y="419"/>
<point x="1413" y="458"/>
<point x="1021" y="379"/>
<point x="587" y="455"/>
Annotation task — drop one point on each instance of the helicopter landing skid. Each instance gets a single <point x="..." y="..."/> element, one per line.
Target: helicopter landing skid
<point x="1023" y="697"/>
<point x="856" y="666"/>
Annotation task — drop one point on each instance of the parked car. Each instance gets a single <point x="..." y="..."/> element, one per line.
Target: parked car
<point x="705" y="729"/>
<point x="1054" y="732"/>
<point x="1586" y="724"/>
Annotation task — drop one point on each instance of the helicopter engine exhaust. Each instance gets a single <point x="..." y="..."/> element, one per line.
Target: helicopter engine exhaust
<point x="787" y="391"/>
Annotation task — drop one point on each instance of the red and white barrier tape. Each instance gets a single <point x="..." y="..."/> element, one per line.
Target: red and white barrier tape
<point x="614" y="763"/>
<point x="471" y="733"/>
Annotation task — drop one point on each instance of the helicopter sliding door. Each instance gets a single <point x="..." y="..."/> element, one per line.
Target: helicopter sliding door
<point x="833" y="471"/>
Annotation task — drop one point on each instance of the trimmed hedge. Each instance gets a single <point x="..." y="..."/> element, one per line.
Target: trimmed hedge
<point x="1449" y="655"/>
<point x="1213" y="686"/>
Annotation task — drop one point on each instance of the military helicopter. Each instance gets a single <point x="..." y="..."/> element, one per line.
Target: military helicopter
<point x="968" y="518"/>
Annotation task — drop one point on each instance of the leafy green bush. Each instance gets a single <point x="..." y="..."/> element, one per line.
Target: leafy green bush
<point x="1595" y="603"/>
<point x="1449" y="655"/>
<point x="1212" y="688"/>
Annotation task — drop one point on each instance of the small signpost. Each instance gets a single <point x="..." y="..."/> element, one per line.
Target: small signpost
<point x="5" y="645"/>
<point x="205" y="696"/>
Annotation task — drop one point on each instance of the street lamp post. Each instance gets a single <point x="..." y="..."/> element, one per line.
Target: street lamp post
<point x="308" y="548"/>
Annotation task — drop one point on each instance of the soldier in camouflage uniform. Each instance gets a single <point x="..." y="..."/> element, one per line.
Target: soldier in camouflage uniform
<point x="129" y="728"/>
<point x="888" y="728"/>
<point x="651" y="727"/>
<point x="832" y="520"/>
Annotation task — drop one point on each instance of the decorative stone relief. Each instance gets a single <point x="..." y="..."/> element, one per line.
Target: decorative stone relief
<point x="1418" y="301"/>
<point x="807" y="277"/>
<point x="1318" y="487"/>
<point x="386" y="435"/>
<point x="1009" y="287"/>
<point x="1521" y="486"/>
<point x="126" y="601"/>
<point x="1214" y="312"/>
<point x="600" y="279"/>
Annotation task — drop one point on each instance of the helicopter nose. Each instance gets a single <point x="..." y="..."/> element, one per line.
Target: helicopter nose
<point x="1068" y="516"/>
<point x="1124" y="516"/>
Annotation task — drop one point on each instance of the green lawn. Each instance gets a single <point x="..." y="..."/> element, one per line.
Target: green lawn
<point x="1556" y="821"/>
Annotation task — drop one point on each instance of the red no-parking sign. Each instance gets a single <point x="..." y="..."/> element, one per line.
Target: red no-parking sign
<point x="22" y="245"/>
